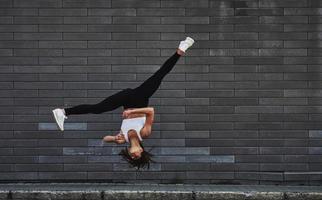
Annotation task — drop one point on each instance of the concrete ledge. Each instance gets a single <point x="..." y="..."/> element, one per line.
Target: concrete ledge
<point x="85" y="191"/>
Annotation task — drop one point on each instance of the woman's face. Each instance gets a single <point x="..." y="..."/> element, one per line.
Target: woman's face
<point x="135" y="152"/>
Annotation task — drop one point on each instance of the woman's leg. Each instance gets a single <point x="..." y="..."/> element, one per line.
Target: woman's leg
<point x="148" y="87"/>
<point x="110" y="103"/>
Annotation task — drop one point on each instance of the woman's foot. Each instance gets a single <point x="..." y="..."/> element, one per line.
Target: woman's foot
<point x="184" y="45"/>
<point x="59" y="115"/>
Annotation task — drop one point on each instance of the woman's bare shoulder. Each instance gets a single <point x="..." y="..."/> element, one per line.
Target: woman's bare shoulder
<point x="145" y="131"/>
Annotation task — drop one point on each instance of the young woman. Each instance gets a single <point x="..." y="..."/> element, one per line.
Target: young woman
<point x="138" y="117"/>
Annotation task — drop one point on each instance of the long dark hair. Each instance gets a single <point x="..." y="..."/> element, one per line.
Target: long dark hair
<point x="142" y="162"/>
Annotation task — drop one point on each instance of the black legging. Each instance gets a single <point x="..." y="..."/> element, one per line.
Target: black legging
<point x="129" y="98"/>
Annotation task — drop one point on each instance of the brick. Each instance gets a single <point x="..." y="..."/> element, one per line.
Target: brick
<point x="210" y="77"/>
<point x="201" y="126"/>
<point x="212" y="159"/>
<point x="315" y="133"/>
<point x="18" y="60"/>
<point x="207" y="93"/>
<point x="111" y="28"/>
<point x="258" y="11"/>
<point x="235" y="117"/>
<point x="37" y="36"/>
<point x="314" y="101"/>
<point x="302" y="11"/>
<point x="6" y="36"/>
<point x="233" y="36"/>
<point x="160" y="12"/>
<point x="135" y="4"/>
<point x="209" y="12"/>
<point x="283" y="36"/>
<point x="274" y="134"/>
<point x="6" y="52"/>
<point x="18" y="44"/>
<point x="314" y="19"/>
<point x="87" y="52"/>
<point x="258" y="76"/>
<point x="180" y="36"/>
<point x="18" y="12"/>
<point x="18" y="28"/>
<point x="314" y="52"/>
<point x="285" y="3"/>
<point x="301" y="109"/>
<point x="235" y="101"/>
<point x="6" y="4"/>
<point x="112" y="12"/>
<point x="209" y="60"/>
<point x="185" y="20"/>
<point x="259" y="28"/>
<point x="111" y="60"/>
<point x="233" y="150"/>
<point x="299" y="60"/>
<point x="302" y="28"/>
<point x="136" y="36"/>
<point x="63" y="12"/>
<point x="209" y="28"/>
<point x="259" y="44"/>
<point x="282" y="68"/>
<point x="283" y="117"/>
<point x="160" y="28"/>
<point x="259" y="109"/>
<point x="283" y="19"/>
<point x="62" y="44"/>
<point x="38" y="3"/>
<point x="38" y="20"/>
<point x="6" y="20"/>
<point x="62" y="28"/>
<point x="18" y="77"/>
<point x="282" y="84"/>
<point x="62" y="175"/>
<point x="282" y="52"/>
<point x="233" y="52"/>
<point x="301" y="44"/>
<point x="136" y="20"/>
<point x="258" y="60"/>
<point x="62" y="60"/>
<point x="185" y="4"/>
<point x="19" y="175"/>
<point x="303" y="93"/>
<point x="258" y="93"/>
<point x="301" y="76"/>
<point x="232" y="68"/>
<point x="85" y="36"/>
<point x="210" y="109"/>
<point x="314" y="68"/>
<point x="234" y="20"/>
<point x="87" y="20"/>
<point x="86" y="3"/>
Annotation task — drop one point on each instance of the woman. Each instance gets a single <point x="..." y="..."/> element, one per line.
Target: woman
<point x="138" y="117"/>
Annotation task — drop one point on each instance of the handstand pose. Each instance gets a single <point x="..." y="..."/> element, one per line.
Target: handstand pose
<point x="138" y="117"/>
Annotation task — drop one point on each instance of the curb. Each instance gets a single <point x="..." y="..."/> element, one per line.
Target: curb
<point x="156" y="195"/>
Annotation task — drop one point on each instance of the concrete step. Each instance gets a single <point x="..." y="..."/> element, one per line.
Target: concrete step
<point x="117" y="191"/>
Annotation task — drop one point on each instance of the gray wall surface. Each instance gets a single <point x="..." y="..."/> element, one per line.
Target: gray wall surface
<point x="243" y="106"/>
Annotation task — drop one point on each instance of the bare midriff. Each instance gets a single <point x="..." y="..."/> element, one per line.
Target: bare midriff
<point x="135" y="115"/>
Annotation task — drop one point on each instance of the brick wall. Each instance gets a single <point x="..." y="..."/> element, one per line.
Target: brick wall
<point x="243" y="106"/>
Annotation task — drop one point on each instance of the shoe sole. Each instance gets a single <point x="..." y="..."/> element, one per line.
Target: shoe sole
<point x="56" y="119"/>
<point x="190" y="41"/>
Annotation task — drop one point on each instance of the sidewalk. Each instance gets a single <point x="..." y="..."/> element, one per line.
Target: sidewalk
<point x="116" y="191"/>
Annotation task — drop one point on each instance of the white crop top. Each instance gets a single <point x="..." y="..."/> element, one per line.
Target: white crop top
<point x="136" y="123"/>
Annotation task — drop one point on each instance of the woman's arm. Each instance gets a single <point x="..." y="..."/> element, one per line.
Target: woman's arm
<point x="119" y="138"/>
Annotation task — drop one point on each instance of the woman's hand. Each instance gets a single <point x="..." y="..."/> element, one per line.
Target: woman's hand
<point x="119" y="138"/>
<point x="126" y="113"/>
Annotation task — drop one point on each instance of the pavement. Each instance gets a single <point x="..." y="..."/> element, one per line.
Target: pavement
<point x="121" y="191"/>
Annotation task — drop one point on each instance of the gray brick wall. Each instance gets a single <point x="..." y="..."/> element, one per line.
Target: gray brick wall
<point x="243" y="106"/>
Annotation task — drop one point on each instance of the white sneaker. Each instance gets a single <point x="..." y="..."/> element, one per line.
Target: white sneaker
<point x="59" y="116"/>
<point x="184" y="45"/>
